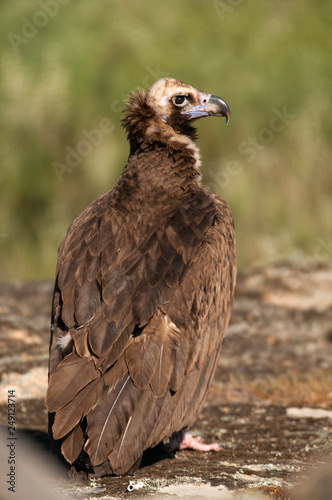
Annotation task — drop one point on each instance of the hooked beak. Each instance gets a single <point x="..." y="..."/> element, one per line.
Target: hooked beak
<point x="210" y="105"/>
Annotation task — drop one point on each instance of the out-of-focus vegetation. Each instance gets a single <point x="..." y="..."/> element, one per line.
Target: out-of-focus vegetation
<point x="66" y="67"/>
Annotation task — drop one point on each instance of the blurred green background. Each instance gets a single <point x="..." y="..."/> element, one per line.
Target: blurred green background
<point x="66" y="66"/>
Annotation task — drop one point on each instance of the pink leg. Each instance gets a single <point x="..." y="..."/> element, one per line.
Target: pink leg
<point x="184" y="440"/>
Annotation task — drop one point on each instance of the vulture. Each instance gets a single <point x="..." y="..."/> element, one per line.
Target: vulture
<point x="143" y="294"/>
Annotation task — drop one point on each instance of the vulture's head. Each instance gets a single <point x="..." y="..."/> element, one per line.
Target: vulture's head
<point x="167" y="111"/>
<point x="176" y="102"/>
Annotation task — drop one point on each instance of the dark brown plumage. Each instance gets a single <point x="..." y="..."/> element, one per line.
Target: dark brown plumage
<point x="143" y="293"/>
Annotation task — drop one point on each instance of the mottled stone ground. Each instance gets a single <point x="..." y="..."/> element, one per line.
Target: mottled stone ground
<point x="274" y="374"/>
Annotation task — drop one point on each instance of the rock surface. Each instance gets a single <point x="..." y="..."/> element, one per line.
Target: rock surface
<point x="269" y="407"/>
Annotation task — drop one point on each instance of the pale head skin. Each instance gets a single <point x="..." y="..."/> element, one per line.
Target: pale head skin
<point x="162" y="91"/>
<point x="196" y="105"/>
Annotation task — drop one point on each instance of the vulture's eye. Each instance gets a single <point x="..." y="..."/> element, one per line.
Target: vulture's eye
<point x="179" y="100"/>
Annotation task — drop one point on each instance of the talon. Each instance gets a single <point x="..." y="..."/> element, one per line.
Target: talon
<point x="184" y="440"/>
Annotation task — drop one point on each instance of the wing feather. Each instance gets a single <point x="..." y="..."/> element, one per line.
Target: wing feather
<point x="87" y="300"/>
<point x="70" y="415"/>
<point x="102" y="334"/>
<point x="142" y="357"/>
<point x="128" y="448"/>
<point x="107" y="422"/>
<point x="69" y="378"/>
<point x="67" y="271"/>
<point x="73" y="444"/>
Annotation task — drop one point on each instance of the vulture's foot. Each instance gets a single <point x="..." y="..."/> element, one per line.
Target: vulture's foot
<point x="183" y="440"/>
